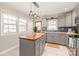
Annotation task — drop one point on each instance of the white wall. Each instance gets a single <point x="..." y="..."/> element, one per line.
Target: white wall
<point x="30" y="25"/>
<point x="8" y="41"/>
<point x="0" y="27"/>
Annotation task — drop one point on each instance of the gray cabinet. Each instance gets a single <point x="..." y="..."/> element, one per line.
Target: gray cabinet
<point x="52" y="37"/>
<point x="77" y="46"/>
<point x="37" y="48"/>
<point x="74" y="14"/>
<point x="39" y="44"/>
<point x="42" y="44"/>
<point x="26" y="48"/>
<point x="68" y="19"/>
<point x="32" y="48"/>
<point x="61" y="21"/>
<point x="62" y="39"/>
<point x="59" y="38"/>
<point x="49" y="37"/>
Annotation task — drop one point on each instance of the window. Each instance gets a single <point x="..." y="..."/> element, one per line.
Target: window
<point x="9" y="23"/>
<point x="52" y="24"/>
<point x="22" y="25"/>
<point x="38" y="25"/>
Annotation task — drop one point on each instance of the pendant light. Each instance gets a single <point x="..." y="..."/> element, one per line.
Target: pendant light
<point x="31" y="12"/>
<point x="38" y="14"/>
<point x="35" y="15"/>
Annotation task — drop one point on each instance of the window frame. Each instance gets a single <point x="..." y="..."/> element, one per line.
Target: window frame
<point x="3" y="24"/>
<point x="56" y="24"/>
<point x="41" y="24"/>
<point x="22" y="25"/>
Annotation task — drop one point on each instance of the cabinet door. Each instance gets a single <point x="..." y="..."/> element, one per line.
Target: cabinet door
<point x="27" y="48"/>
<point x="74" y="14"/>
<point x="68" y="19"/>
<point x="41" y="47"/>
<point x="62" y="39"/>
<point x="37" y="49"/>
<point x="61" y="22"/>
<point x="77" y="46"/>
<point x="52" y="37"/>
<point x="67" y="41"/>
<point x="56" y="38"/>
<point x="40" y="44"/>
<point x="44" y="40"/>
<point x="59" y="38"/>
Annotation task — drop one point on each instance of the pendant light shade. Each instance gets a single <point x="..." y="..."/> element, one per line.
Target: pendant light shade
<point x="35" y="15"/>
<point x="32" y="13"/>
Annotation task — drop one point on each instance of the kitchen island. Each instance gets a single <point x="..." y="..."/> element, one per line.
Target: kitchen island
<point x="32" y="44"/>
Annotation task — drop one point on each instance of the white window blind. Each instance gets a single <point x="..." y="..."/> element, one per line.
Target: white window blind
<point x="52" y="25"/>
<point x="22" y="25"/>
<point x="9" y="23"/>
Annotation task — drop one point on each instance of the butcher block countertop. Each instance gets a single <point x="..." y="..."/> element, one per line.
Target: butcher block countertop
<point x="33" y="36"/>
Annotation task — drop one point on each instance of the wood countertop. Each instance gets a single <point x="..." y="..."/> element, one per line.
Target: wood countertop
<point x="32" y="37"/>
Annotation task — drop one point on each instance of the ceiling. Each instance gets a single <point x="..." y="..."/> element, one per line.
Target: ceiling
<point x="46" y="9"/>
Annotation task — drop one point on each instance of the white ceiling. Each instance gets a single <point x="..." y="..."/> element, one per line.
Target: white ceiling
<point x="45" y="9"/>
<point x="54" y="8"/>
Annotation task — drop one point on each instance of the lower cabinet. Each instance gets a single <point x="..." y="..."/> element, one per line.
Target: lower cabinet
<point x="37" y="48"/>
<point x="32" y="48"/>
<point x="27" y="48"/>
<point x="77" y="47"/>
<point x="40" y="45"/>
<point x="63" y="39"/>
<point x="51" y="38"/>
<point x="56" y="37"/>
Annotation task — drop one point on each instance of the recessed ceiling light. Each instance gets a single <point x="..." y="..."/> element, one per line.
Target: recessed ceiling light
<point x="65" y="8"/>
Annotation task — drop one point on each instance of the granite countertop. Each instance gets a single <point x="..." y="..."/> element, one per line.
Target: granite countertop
<point x="57" y="32"/>
<point x="72" y="33"/>
<point x="32" y="37"/>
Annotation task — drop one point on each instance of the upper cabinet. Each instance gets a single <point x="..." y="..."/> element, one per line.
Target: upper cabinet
<point x="68" y="19"/>
<point x="78" y="10"/>
<point x="74" y="14"/>
<point x="61" y="21"/>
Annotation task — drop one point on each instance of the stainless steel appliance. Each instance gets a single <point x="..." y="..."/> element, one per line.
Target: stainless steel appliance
<point x="77" y="28"/>
<point x="74" y="40"/>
